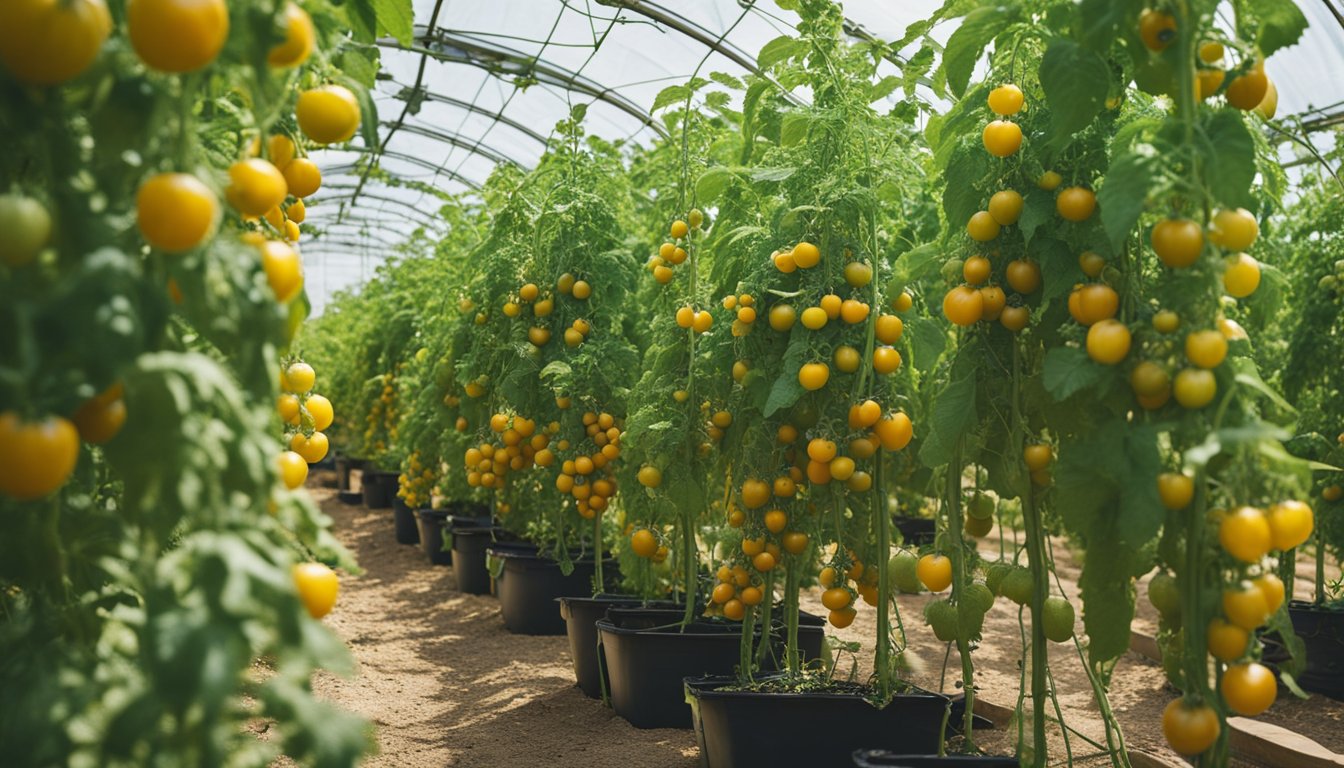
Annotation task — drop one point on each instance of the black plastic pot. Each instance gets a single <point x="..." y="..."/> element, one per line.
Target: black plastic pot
<point x="581" y="615"/>
<point x="350" y="497"/>
<point x="876" y="758"/>
<point x="469" y="545"/>
<point x="647" y="668"/>
<point x="343" y="466"/>
<point x="431" y="524"/>
<point x="404" y="520"/>
<point x="916" y="531"/>
<point x="469" y="510"/>
<point x="1322" y="630"/>
<point x="528" y="584"/>
<point x="379" y="488"/>
<point x="728" y="724"/>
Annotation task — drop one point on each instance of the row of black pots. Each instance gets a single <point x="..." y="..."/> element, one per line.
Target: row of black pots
<point x="1321" y="630"/>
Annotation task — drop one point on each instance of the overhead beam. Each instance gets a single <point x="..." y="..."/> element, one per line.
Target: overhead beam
<point x="474" y="146"/>
<point x="468" y="106"/>
<point x="453" y="47"/>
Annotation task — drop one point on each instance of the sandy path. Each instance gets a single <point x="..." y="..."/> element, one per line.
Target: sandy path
<point x="447" y="685"/>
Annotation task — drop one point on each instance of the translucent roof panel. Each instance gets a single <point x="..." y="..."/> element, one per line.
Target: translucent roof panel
<point x="485" y="83"/>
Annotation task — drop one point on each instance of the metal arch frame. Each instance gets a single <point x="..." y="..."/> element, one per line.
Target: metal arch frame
<point x="445" y="45"/>
<point x="479" y="110"/>
<point x="428" y="223"/>
<point x="474" y="146"/>
<point x="352" y="229"/>
<point x="471" y="184"/>
<point x="703" y="36"/>
<point x="342" y="200"/>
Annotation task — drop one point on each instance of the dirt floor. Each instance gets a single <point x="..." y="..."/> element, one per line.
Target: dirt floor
<point x="446" y="685"/>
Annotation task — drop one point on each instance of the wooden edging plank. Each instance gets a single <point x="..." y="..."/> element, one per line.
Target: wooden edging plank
<point x="1255" y="741"/>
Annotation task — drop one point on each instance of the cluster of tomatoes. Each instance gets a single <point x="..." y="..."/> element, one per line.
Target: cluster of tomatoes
<point x="647" y="542"/>
<point x="416" y="482"/>
<point x="842" y="579"/>
<point x="305" y="414"/>
<point x="671" y="254"/>
<point x="38" y="456"/>
<point x="978" y="299"/>
<point x="382" y="417"/>
<point x="520" y="447"/>
<point x="590" y="477"/>
<point x="538" y="334"/>
<point x="1252" y="90"/>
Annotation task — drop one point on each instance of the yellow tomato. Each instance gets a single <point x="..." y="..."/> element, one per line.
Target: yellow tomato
<point x="813" y="376"/>
<point x="1006" y="100"/>
<point x="302" y="177"/>
<point x="1195" y="388"/>
<point x="1226" y="642"/>
<point x="287" y="405"/>
<point x="317" y="586"/>
<point x="1108" y="342"/>
<point x="36" y="457"/>
<point x="320" y="409"/>
<point x="177" y="35"/>
<point x="1249" y="688"/>
<point x="934" y="572"/>
<point x="47" y="42"/>
<point x="1244" y="534"/>
<point x="328" y="114"/>
<point x="100" y="418"/>
<point x="1002" y="138"/>
<point x="255" y="186"/>
<point x="1006" y="206"/>
<point x="312" y="449"/>
<point x="1241" y="276"/>
<point x="1206" y="349"/>
<point x="297" y="45"/>
<point x="175" y="211"/>
<point x="806" y="255"/>
<point x="1076" y="203"/>
<point x="1178" y="242"/>
<point x="284" y="269"/>
<point x="293" y="469"/>
<point x="982" y="227"/>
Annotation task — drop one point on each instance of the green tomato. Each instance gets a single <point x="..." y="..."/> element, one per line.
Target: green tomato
<point x="901" y="570"/>
<point x="1058" y="619"/>
<point x="1017" y="585"/>
<point x="26" y="226"/>
<point x="943" y="619"/>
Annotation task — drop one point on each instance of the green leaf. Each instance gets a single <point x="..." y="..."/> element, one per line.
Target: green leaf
<point x="712" y="183"/>
<point x="961" y="198"/>
<point x="672" y="94"/>
<point x="1074" y="79"/>
<point x="726" y="80"/>
<point x="772" y="174"/>
<point x="1124" y="193"/>
<point x="883" y="88"/>
<point x="969" y="41"/>
<point x="396" y="18"/>
<point x="1098" y="20"/>
<point x="927" y="342"/>
<point x="1038" y="207"/>
<point x="953" y="413"/>
<point x="780" y="49"/>
<point x="1273" y="24"/>
<point x="1230" y="158"/>
<point x="1068" y="370"/>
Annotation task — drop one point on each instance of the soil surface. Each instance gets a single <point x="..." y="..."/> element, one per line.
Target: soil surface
<point x="446" y="685"/>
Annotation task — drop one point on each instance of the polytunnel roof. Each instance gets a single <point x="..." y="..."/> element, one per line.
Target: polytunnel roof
<point x="484" y="83"/>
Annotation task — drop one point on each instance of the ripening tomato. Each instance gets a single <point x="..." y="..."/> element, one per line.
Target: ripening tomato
<point x="302" y="177"/>
<point x="1049" y="181"/>
<point x="47" y="42"/>
<point x="886" y="360"/>
<point x="328" y="114"/>
<point x="1272" y="588"/>
<point x="298" y="378"/>
<point x="976" y="270"/>
<point x="1166" y="321"/>
<point x="284" y="269"/>
<point x="1023" y="275"/>
<point x="1015" y="318"/>
<point x="813" y="376"/>
<point x="1148" y="379"/>
<point x="1038" y="457"/>
<point x="1175" y="489"/>
<point x="1241" y="275"/>
<point x="837" y="598"/>
<point x="853" y="312"/>
<point x="963" y="305"/>
<point x="1233" y="230"/>
<point x="1076" y="203"/>
<point x="858" y="274"/>
<point x="255" y="186"/>
<point x="1005" y="206"/>
<point x="1108" y="342"/>
<point x="27" y="227"/>
<point x="755" y="493"/>
<point x="293" y="469"/>
<point x="1096" y="302"/>
<point x="1244" y="534"/>
<point x="175" y="211"/>
<point x="894" y="432"/>
<point x="101" y="417"/>
<point x="842" y="619"/>
<point x="1269" y="105"/>
<point x="1208" y="81"/>
<point x="1249" y="688"/>
<point x="846" y="359"/>
<point x="1195" y="388"/>
<point x="1091" y="263"/>
<point x="177" y="35"/>
<point x="1290" y="524"/>
<point x="1178" y="242"/>
<point x="1002" y="138"/>
<point x="582" y="290"/>
<point x="806" y="255"/>
<point x="1247" y="91"/>
<point x="888" y="329"/>
<point x="36" y="457"/>
<point x="903" y="302"/>
<point x="312" y="449"/>
<point x="1210" y="51"/>
<point x="1226" y="642"/>
<point x="1006" y="100"/>
<point x="1190" y="730"/>
<point x="317" y="586"/>
<point x="1206" y="349"/>
<point x="982" y="227"/>
<point x="993" y="300"/>
<point x="1245" y="606"/>
<point x="934" y="572"/>
<point x="297" y="45"/>
<point x="1157" y="29"/>
<point x="320" y="409"/>
<point x="288" y="407"/>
